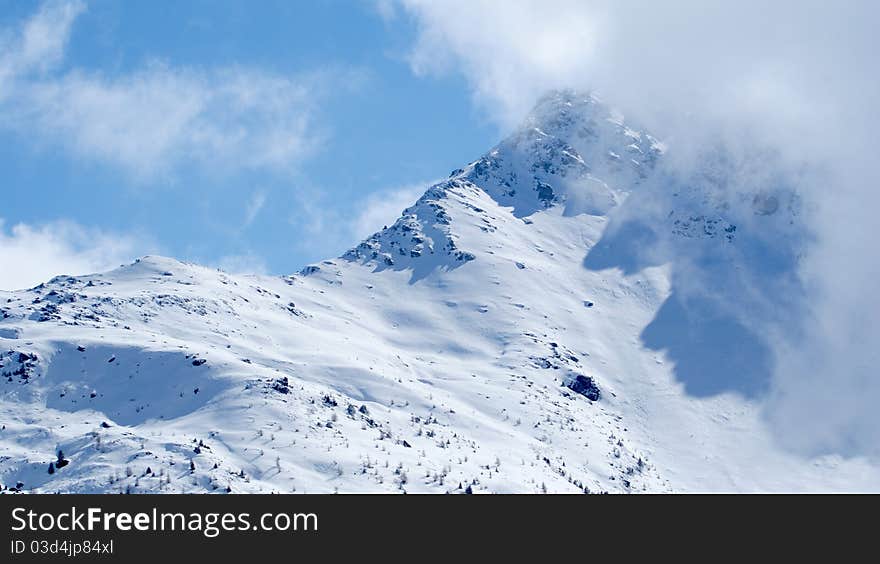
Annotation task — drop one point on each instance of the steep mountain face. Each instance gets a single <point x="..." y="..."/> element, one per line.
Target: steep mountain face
<point x="518" y="329"/>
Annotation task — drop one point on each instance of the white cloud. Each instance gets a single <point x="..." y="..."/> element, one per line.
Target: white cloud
<point x="795" y="79"/>
<point x="685" y="57"/>
<point x="248" y="263"/>
<point x="326" y="230"/>
<point x="157" y="117"/>
<point x="42" y="40"/>
<point x="386" y="9"/>
<point x="31" y="254"/>
<point x="254" y="207"/>
<point x="512" y="52"/>
<point x="382" y="208"/>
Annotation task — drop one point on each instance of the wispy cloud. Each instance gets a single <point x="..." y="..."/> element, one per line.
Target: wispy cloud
<point x="152" y="119"/>
<point x="533" y="47"/>
<point x="383" y="208"/>
<point x="248" y="263"/>
<point x="327" y="230"/>
<point x="33" y="253"/>
<point x="40" y="42"/>
<point x="254" y="207"/>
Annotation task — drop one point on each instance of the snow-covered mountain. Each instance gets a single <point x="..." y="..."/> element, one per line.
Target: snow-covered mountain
<point x="515" y="330"/>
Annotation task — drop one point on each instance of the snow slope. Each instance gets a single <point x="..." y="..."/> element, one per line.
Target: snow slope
<point x="508" y="333"/>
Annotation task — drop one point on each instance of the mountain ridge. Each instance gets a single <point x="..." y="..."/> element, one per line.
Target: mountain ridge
<point x="506" y="334"/>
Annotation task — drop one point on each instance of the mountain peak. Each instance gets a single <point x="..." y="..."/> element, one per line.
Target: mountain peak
<point x="572" y="149"/>
<point x="556" y="111"/>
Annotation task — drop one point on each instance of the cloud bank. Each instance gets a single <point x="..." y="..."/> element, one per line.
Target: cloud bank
<point x="794" y="81"/>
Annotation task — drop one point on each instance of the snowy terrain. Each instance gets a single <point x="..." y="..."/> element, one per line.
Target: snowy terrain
<point x="509" y="333"/>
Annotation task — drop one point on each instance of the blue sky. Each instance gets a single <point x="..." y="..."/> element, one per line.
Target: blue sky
<point x="368" y="132"/>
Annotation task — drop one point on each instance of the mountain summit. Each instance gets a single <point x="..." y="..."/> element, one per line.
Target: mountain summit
<point x="515" y="330"/>
<point x="572" y="151"/>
